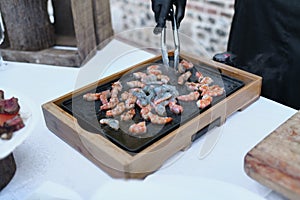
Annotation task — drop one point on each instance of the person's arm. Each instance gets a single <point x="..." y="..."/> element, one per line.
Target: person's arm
<point x="162" y="12"/>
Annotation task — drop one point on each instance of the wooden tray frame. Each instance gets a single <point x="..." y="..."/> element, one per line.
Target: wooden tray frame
<point x="82" y="27"/>
<point x="121" y="164"/>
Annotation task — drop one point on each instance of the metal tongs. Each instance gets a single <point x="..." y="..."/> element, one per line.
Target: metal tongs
<point x="164" y="49"/>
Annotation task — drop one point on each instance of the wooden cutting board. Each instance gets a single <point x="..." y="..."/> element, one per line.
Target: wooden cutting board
<point x="275" y="161"/>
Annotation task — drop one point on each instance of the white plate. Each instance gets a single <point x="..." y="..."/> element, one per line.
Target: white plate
<point x="29" y="115"/>
<point x="173" y="187"/>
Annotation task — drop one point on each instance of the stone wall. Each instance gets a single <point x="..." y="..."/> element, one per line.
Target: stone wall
<point x="205" y="27"/>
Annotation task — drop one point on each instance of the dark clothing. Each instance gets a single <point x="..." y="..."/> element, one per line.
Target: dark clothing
<point x="265" y="36"/>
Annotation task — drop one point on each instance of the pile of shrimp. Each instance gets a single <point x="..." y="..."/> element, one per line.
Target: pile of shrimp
<point x="152" y="92"/>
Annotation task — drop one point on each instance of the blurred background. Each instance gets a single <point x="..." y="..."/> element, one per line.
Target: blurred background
<point x="206" y="23"/>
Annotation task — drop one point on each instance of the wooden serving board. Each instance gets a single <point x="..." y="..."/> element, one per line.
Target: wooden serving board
<point x="275" y="161"/>
<point x="122" y="164"/>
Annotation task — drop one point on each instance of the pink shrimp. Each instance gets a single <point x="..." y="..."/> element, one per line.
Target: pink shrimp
<point x="149" y="78"/>
<point x="214" y="90"/>
<point x="139" y="75"/>
<point x="184" y="65"/>
<point x="119" y="109"/>
<point x="134" y="84"/>
<point x="165" y="79"/>
<point x="175" y="108"/>
<point x="206" y="80"/>
<point x="191" y="86"/>
<point x="91" y="96"/>
<point x="130" y="101"/>
<point x="184" y="77"/>
<point x="128" y="115"/>
<point x="199" y="75"/>
<point x="104" y="95"/>
<point x="151" y="67"/>
<point x="111" y="104"/>
<point x="116" y="88"/>
<point x="156" y="119"/>
<point x="145" y="112"/>
<point x="205" y="101"/>
<point x="154" y="69"/>
<point x="138" y="128"/>
<point x="192" y="96"/>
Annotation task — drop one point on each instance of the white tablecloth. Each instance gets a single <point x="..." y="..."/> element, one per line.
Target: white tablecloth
<point x="44" y="158"/>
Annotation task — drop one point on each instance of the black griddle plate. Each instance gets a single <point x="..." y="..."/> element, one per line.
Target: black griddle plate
<point x="88" y="113"/>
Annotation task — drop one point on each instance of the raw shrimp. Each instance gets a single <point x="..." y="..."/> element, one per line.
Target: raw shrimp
<point x="91" y="96"/>
<point x="162" y="97"/>
<point x="119" y="109"/>
<point x="205" y="101"/>
<point x="192" y="96"/>
<point x="113" y="123"/>
<point x="128" y="115"/>
<point x="138" y="128"/>
<point x="184" y="77"/>
<point x="160" y="109"/>
<point x="134" y="84"/>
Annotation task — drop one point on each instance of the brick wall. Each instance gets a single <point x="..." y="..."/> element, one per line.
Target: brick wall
<point x="204" y="30"/>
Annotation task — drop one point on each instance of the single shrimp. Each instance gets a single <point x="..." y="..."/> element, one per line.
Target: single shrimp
<point x="192" y="96"/>
<point x="160" y="109"/>
<point x="113" y="101"/>
<point x="184" y="77"/>
<point x="91" y="96"/>
<point x="187" y="64"/>
<point x="199" y="75"/>
<point x="119" y="109"/>
<point x="214" y="90"/>
<point x="149" y="78"/>
<point x="134" y="84"/>
<point x="205" y="101"/>
<point x="206" y="80"/>
<point x="139" y="75"/>
<point x="151" y="67"/>
<point x="113" y="123"/>
<point x="163" y="78"/>
<point x="130" y="101"/>
<point x="184" y="65"/>
<point x="156" y="119"/>
<point x="145" y="112"/>
<point x="191" y="86"/>
<point x="154" y="71"/>
<point x="116" y="88"/>
<point x="163" y="97"/>
<point x="138" y="128"/>
<point x="128" y="115"/>
<point x="104" y="96"/>
<point x="175" y="108"/>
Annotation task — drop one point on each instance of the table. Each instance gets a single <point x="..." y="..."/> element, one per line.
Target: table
<point x="44" y="158"/>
